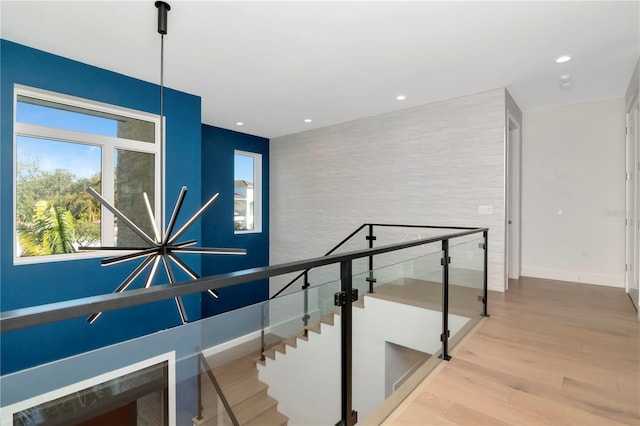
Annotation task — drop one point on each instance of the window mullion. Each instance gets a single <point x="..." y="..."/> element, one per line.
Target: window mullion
<point x="108" y="192"/>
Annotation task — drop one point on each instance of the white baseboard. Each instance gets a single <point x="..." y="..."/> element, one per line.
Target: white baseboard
<point x="499" y="288"/>
<point x="574" y="276"/>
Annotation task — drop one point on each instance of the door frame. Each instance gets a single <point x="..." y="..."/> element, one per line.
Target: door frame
<point x="513" y="198"/>
<point x="632" y="202"/>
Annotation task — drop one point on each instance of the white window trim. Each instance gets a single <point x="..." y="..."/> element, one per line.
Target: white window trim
<point x="108" y="145"/>
<point x="257" y="191"/>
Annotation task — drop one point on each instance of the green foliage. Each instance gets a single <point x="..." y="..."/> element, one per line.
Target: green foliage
<point x="51" y="231"/>
<point x="54" y="211"/>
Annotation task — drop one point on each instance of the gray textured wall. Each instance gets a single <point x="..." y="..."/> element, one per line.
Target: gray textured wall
<point x="432" y="164"/>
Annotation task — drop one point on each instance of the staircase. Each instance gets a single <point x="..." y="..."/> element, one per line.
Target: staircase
<point x="292" y="342"/>
<point x="247" y="396"/>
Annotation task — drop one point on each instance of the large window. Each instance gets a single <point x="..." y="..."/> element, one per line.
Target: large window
<point x="63" y="145"/>
<point x="247" y="215"/>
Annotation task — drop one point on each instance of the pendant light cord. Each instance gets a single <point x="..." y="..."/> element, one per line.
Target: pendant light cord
<point x="161" y="87"/>
<point x="162" y="138"/>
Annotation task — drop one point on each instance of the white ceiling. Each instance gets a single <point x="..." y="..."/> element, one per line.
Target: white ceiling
<point x="273" y="64"/>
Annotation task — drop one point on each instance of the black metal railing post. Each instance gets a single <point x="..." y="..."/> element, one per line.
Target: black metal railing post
<point x="370" y="279"/>
<point x="485" y="275"/>
<point x="344" y="299"/>
<point x="444" y="337"/>
<point x="262" y="326"/>
<point x="203" y="362"/>
<point x="306" y="317"/>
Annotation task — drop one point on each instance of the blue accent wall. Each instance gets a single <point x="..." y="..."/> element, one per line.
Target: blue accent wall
<point x="35" y="284"/>
<point x="218" y="146"/>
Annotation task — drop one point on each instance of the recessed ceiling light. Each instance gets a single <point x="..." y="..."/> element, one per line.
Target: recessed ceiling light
<point x="401" y="98"/>
<point x="562" y="59"/>
<point x="239" y="123"/>
<point x="307" y="120"/>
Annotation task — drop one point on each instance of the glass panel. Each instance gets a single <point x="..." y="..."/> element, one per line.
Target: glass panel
<point x="141" y="393"/>
<point x="465" y="281"/>
<point x="54" y="213"/>
<point x="328" y="273"/>
<point x="244" y="203"/>
<point x="52" y="114"/>
<point x="301" y="363"/>
<point x="395" y="234"/>
<point x="134" y="174"/>
<point x="396" y="332"/>
<point x="386" y="235"/>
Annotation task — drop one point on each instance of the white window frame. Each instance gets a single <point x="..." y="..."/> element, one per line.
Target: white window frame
<point x="257" y="191"/>
<point x="108" y="146"/>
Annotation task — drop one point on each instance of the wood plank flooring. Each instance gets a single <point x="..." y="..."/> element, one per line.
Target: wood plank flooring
<point x="552" y="353"/>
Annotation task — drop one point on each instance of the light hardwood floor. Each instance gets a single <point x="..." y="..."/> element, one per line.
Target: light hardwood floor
<point x="551" y="353"/>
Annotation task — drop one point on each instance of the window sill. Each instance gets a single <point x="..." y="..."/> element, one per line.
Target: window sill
<point x="247" y="232"/>
<point x="34" y="260"/>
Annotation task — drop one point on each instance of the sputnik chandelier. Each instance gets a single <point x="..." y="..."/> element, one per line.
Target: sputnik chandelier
<point x="163" y="247"/>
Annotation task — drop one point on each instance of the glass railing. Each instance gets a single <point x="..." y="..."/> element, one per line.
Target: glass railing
<point x="397" y="330"/>
<point x="341" y="347"/>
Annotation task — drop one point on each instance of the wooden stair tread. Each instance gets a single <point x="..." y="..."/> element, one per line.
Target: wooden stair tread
<point x="315" y="327"/>
<point x="236" y="370"/>
<point x="246" y="394"/>
<point x="271" y="417"/>
<point x="251" y="412"/>
<point x="292" y="341"/>
<point x="256" y="414"/>
<point x="328" y="319"/>
<point x="244" y="389"/>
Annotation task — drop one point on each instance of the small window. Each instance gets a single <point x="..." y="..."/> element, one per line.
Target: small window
<point x="247" y="215"/>
<point x="63" y="145"/>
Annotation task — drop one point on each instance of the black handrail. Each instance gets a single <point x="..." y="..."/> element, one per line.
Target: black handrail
<point x="59" y="311"/>
<point x="347" y="238"/>
<point x="202" y="361"/>
<point x="337" y="246"/>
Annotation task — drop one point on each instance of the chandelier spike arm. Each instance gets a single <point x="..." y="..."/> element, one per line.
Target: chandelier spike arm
<point x="93" y="317"/>
<point x="184" y="266"/>
<point x="213" y="292"/>
<point x="118" y="259"/>
<point x="174" y="215"/>
<point x="210" y="250"/>
<point x="167" y="268"/>
<point x="151" y="217"/>
<point x="125" y="220"/>
<point x="194" y="218"/>
<point x="172" y="280"/>
<point x="184" y="244"/>
<point x="152" y="272"/>
<point x="126" y="283"/>
<point x="181" y="310"/>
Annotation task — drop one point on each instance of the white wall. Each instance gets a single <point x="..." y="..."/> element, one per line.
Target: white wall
<point x="432" y="165"/>
<point x="574" y="161"/>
